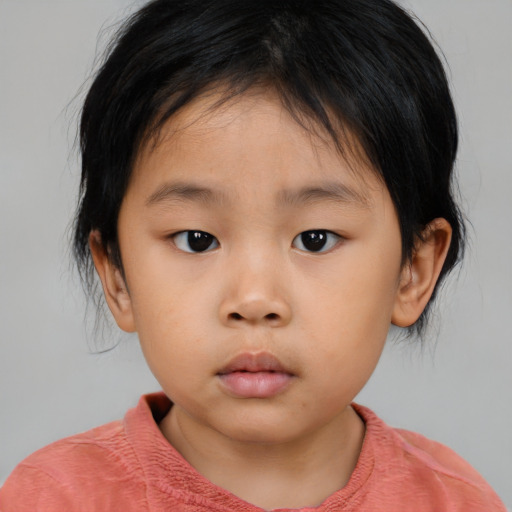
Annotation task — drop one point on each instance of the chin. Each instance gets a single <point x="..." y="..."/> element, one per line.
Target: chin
<point x="261" y="429"/>
<point x="268" y="436"/>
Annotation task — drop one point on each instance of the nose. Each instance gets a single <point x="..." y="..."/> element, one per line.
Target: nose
<point x="255" y="295"/>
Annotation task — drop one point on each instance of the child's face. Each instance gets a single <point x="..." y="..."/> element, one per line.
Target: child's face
<point x="308" y="315"/>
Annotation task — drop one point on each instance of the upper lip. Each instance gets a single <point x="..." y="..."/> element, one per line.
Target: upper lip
<point x="254" y="362"/>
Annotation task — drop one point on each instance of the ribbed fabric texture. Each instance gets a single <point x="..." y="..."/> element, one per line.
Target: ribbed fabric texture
<point x="129" y="466"/>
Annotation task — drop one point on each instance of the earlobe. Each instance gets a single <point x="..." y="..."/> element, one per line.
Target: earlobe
<point x="114" y="286"/>
<point x="419" y="276"/>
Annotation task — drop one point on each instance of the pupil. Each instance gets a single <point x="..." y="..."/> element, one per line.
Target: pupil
<point x="199" y="241"/>
<point x="314" y="240"/>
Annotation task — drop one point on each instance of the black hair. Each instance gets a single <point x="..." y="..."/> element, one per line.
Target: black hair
<point x="364" y="65"/>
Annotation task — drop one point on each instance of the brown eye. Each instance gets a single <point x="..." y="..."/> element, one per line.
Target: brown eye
<point x="195" y="241"/>
<point x="317" y="240"/>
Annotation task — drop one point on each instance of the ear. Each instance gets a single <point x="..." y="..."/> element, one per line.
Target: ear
<point x="114" y="286"/>
<point x="419" y="276"/>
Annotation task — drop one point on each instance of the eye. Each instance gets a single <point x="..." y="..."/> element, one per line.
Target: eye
<point x="195" y="241"/>
<point x="318" y="240"/>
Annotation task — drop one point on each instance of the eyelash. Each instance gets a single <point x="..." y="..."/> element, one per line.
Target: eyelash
<point x="317" y="237"/>
<point x="184" y="238"/>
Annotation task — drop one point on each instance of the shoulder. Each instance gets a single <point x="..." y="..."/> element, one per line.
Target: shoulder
<point x="69" y="474"/>
<point x="84" y="449"/>
<point x="408" y="462"/>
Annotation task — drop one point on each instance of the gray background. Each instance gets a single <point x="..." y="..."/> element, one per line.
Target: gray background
<point x="457" y="391"/>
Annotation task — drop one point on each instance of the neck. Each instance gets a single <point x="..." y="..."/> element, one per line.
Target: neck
<point x="296" y="474"/>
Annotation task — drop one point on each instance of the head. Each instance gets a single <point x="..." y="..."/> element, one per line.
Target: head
<point x="189" y="106"/>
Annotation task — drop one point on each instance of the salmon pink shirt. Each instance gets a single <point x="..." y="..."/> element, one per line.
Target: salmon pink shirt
<point x="129" y="466"/>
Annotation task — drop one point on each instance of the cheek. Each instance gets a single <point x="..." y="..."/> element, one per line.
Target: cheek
<point x="349" y="315"/>
<point x="171" y="325"/>
<point x="164" y="297"/>
<point x="356" y="294"/>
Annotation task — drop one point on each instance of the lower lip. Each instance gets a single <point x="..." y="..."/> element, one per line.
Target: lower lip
<point x="255" y="384"/>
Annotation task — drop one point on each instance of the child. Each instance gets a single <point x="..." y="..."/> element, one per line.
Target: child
<point x="266" y="188"/>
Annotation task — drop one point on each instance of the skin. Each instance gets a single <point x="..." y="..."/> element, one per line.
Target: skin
<point x="323" y="315"/>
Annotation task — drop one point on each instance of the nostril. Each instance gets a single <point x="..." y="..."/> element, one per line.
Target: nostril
<point x="238" y="316"/>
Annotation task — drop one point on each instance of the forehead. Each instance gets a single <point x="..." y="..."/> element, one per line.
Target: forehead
<point x="254" y="137"/>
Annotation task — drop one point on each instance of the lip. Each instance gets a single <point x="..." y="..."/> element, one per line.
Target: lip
<point x="254" y="362"/>
<point x="255" y="375"/>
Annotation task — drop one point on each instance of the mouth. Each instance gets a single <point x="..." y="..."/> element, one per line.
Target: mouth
<point x="254" y="363"/>
<point x="259" y="375"/>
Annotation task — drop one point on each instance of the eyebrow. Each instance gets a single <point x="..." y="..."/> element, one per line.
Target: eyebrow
<point x="169" y="192"/>
<point x="330" y="191"/>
